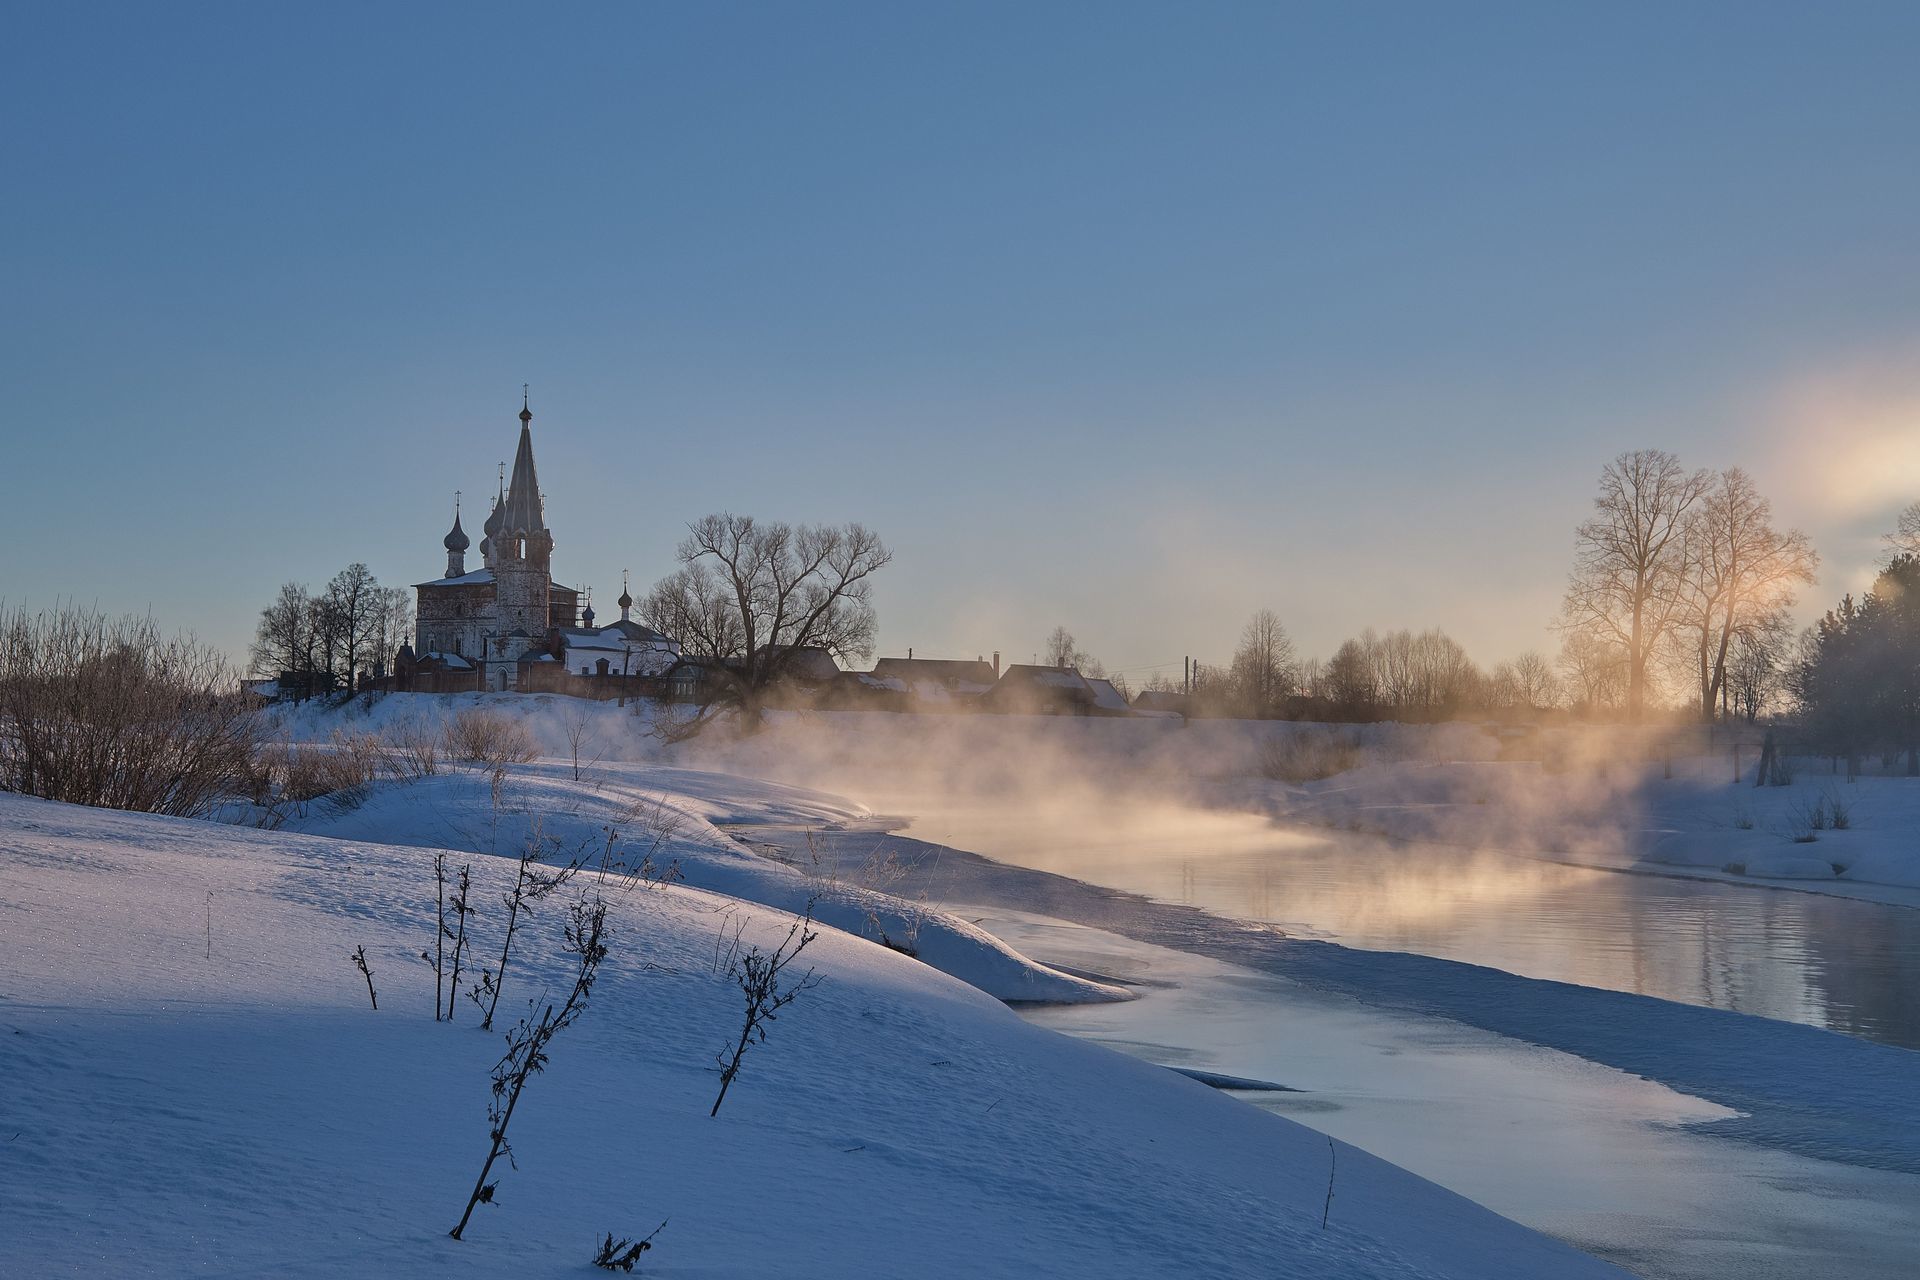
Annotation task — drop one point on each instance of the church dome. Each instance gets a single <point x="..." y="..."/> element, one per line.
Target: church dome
<point x="456" y="539"/>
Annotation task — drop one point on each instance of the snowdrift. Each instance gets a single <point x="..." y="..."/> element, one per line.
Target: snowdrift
<point x="672" y="817"/>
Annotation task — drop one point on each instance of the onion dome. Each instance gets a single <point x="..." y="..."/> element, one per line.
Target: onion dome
<point x="456" y="539"/>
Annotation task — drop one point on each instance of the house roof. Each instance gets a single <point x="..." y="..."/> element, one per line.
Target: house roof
<point x="637" y="633"/>
<point x="1025" y="675"/>
<point x="1024" y="684"/>
<point x="946" y="671"/>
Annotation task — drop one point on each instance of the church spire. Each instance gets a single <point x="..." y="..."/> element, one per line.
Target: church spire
<point x="626" y="597"/>
<point x="523" y="513"/>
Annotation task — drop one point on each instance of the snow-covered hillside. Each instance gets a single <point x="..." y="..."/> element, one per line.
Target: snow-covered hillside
<point x="669" y="817"/>
<point x="197" y="1086"/>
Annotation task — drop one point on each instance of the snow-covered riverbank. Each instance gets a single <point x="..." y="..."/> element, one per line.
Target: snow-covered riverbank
<point x="1615" y="1163"/>
<point x="198" y="1087"/>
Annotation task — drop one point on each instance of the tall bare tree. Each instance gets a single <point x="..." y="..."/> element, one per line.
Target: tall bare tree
<point x="1757" y="668"/>
<point x="283" y="640"/>
<point x="1740" y="572"/>
<point x="389" y="627"/>
<point x="1349" y="680"/>
<point x="353" y="598"/>
<point x="750" y="596"/>
<point x="1264" y="670"/>
<point x="1630" y="559"/>
<point x="1534" y="684"/>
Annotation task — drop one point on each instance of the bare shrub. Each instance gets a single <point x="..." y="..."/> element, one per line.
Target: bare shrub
<point x="623" y="1254"/>
<point x="413" y="750"/>
<point x="637" y="833"/>
<point x="1310" y="756"/>
<point x="528" y="1042"/>
<point x="360" y="963"/>
<point x="108" y="712"/>
<point x="1804" y="822"/>
<point x="488" y="739"/>
<point x="289" y="775"/>
<point x="531" y="882"/>
<point x="578" y="725"/>
<point x="1839" y="812"/>
<point x="762" y="979"/>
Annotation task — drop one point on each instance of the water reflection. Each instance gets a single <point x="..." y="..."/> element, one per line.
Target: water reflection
<point x="1847" y="965"/>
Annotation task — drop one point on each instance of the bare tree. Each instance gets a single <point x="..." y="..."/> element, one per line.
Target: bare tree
<point x="353" y="598"/>
<point x="1534" y="684"/>
<point x="1758" y="666"/>
<point x="1630" y="560"/>
<point x="389" y="626"/>
<point x="1595" y="667"/>
<point x="1061" y="650"/>
<point x="1740" y="570"/>
<point x="282" y="641"/>
<point x="1425" y="673"/>
<point x="1905" y="538"/>
<point x="1350" y="681"/>
<point x="749" y="597"/>
<point x="1264" y="671"/>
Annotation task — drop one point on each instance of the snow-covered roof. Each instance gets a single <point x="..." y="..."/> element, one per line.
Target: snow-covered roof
<point x="1105" y="696"/>
<point x="473" y="579"/>
<point x="612" y="639"/>
<point x="453" y="660"/>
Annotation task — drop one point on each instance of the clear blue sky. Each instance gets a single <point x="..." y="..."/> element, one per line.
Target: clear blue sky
<point x="1133" y="318"/>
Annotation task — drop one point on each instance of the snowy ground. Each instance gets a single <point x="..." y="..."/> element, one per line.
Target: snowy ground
<point x="197" y="1087"/>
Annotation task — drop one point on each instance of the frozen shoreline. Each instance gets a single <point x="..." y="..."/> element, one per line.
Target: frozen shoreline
<point x="1532" y="1133"/>
<point x="1864" y="1111"/>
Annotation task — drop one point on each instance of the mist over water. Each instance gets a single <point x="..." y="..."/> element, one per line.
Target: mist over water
<point x="1181" y="815"/>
